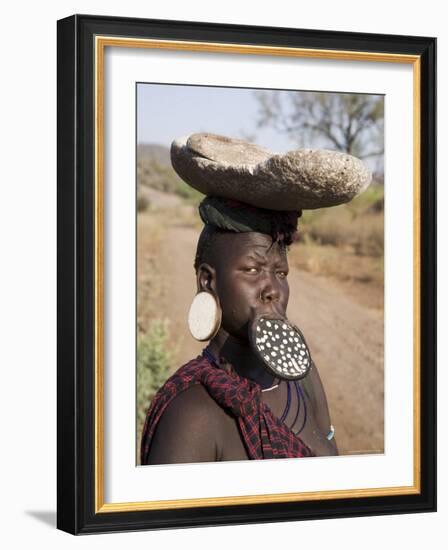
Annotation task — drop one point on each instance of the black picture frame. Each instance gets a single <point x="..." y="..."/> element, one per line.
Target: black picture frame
<point x="79" y="495"/>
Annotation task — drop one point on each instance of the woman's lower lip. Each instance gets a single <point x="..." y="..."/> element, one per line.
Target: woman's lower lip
<point x="270" y="313"/>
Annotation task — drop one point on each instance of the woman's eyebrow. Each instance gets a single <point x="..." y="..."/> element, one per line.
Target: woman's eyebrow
<point x="282" y="261"/>
<point x="256" y="257"/>
<point x="263" y="255"/>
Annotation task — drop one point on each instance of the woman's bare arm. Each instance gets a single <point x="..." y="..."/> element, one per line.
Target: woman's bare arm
<point x="187" y="430"/>
<point x="313" y="386"/>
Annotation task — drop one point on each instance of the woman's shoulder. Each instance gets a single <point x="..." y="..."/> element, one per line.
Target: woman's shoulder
<point x="195" y="406"/>
<point x="189" y="429"/>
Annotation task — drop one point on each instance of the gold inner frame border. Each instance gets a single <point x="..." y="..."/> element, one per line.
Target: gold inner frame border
<point x="100" y="44"/>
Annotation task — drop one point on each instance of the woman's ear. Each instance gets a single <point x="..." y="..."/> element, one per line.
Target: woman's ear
<point x="206" y="278"/>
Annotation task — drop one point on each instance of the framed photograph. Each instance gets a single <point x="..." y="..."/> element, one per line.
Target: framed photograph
<point x="246" y="273"/>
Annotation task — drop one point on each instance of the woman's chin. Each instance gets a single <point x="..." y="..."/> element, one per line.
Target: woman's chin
<point x="233" y="335"/>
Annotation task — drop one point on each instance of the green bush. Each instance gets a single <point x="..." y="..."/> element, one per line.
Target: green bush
<point x="189" y="194"/>
<point x="142" y="203"/>
<point x="155" y="356"/>
<point x="367" y="198"/>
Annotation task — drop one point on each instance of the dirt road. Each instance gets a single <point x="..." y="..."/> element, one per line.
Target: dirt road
<point x="345" y="338"/>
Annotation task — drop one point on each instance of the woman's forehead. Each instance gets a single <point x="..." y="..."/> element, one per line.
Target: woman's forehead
<point x="236" y="245"/>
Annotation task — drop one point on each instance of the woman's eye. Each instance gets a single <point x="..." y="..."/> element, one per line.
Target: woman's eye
<point x="251" y="270"/>
<point x="282" y="274"/>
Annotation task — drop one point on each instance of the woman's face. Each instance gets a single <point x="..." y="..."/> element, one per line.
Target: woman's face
<point x="250" y="279"/>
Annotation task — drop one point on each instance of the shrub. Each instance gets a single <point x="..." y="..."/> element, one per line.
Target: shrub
<point x="155" y="356"/>
<point x="189" y="194"/>
<point x="142" y="203"/>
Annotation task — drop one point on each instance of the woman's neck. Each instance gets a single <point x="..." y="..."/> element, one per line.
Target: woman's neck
<point x="239" y="353"/>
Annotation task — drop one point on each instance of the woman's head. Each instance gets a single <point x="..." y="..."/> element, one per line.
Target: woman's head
<point x="247" y="273"/>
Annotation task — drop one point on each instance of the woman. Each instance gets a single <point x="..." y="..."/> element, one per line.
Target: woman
<point x="254" y="393"/>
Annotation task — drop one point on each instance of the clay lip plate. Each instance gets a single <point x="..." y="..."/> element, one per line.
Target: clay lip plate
<point x="269" y="368"/>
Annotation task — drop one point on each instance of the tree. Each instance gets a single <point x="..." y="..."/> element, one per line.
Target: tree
<point x="351" y="123"/>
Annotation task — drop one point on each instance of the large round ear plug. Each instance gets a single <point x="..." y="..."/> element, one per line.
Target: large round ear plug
<point x="204" y="317"/>
<point x="282" y="348"/>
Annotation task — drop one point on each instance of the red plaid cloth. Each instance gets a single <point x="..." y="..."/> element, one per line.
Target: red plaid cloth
<point x="264" y="435"/>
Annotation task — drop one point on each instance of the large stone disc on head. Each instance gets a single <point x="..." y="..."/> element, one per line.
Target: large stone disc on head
<point x="300" y="179"/>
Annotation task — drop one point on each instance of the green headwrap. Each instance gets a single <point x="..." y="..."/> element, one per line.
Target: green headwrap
<point x="232" y="215"/>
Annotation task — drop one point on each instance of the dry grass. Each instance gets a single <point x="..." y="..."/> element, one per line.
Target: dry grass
<point x="360" y="276"/>
<point x="346" y="243"/>
<point x="341" y="228"/>
<point x="156" y="175"/>
<point x="186" y="215"/>
<point x="149" y="282"/>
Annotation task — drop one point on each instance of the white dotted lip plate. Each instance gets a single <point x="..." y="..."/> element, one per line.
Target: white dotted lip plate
<point x="282" y="348"/>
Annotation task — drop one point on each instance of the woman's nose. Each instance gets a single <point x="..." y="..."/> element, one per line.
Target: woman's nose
<point x="270" y="291"/>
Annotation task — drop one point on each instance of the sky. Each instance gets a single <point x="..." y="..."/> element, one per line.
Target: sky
<point x="166" y="112"/>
